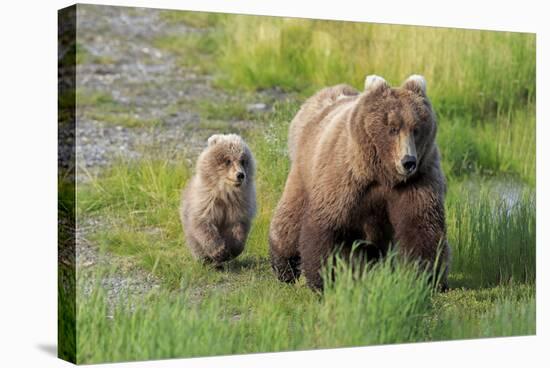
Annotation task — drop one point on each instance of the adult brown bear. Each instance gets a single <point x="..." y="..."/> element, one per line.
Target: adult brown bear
<point x="364" y="166"/>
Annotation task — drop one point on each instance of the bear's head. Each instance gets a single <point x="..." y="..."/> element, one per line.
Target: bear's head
<point x="227" y="161"/>
<point x="396" y="126"/>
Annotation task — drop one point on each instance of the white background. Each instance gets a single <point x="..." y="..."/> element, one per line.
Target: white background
<point x="28" y="166"/>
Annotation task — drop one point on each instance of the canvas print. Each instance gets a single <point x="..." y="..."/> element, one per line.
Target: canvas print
<point x="234" y="184"/>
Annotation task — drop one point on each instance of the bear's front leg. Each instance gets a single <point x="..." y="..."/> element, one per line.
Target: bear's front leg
<point x="316" y="245"/>
<point x="235" y="237"/>
<point x="213" y="245"/>
<point x="417" y="214"/>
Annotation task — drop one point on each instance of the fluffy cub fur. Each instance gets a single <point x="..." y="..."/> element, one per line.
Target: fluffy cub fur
<point x="364" y="166"/>
<point x="219" y="202"/>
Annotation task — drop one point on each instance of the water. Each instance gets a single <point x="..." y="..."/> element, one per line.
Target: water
<point x="509" y="191"/>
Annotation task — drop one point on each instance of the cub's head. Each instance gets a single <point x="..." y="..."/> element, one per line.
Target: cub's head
<point x="397" y="125"/>
<point x="227" y="161"/>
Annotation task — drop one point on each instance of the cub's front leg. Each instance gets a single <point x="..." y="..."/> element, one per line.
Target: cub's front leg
<point x="235" y="237"/>
<point x="212" y="243"/>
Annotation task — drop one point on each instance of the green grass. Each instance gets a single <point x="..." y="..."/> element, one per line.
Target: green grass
<point x="67" y="319"/>
<point x="193" y="50"/>
<point x="506" y="310"/>
<point x="493" y="241"/>
<point x="66" y="273"/>
<point x="83" y="56"/>
<point x="124" y="119"/>
<point x="227" y="111"/>
<point x="200" y="20"/>
<point x="103" y="107"/>
<point x="87" y="99"/>
<point x="468" y="72"/>
<point x="391" y="303"/>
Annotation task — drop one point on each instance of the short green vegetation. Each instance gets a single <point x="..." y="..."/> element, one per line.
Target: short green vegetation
<point x="469" y="72"/>
<point x="195" y="51"/>
<point x="102" y="107"/>
<point x="124" y="119"/>
<point x="197" y="20"/>
<point x="214" y="110"/>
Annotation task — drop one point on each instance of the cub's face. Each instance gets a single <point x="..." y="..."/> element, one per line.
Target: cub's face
<point x="233" y="168"/>
<point x="227" y="161"/>
<point x="401" y="125"/>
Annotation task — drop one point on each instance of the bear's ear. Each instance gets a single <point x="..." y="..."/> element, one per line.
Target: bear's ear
<point x="416" y="83"/>
<point x="214" y="139"/>
<point x="373" y="82"/>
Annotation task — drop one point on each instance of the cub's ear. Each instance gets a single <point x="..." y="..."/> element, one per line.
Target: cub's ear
<point x="214" y="139"/>
<point x="373" y="82"/>
<point x="416" y="83"/>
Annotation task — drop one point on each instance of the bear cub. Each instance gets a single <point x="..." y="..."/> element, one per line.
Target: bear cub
<point x="219" y="202"/>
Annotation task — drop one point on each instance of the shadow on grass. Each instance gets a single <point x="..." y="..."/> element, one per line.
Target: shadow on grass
<point x="247" y="263"/>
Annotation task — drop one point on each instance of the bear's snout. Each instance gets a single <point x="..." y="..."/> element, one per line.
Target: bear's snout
<point x="409" y="164"/>
<point x="406" y="159"/>
<point x="240" y="176"/>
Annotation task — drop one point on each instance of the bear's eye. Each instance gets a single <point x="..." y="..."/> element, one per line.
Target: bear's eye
<point x="416" y="130"/>
<point x="243" y="162"/>
<point x="227" y="161"/>
<point x="394" y="130"/>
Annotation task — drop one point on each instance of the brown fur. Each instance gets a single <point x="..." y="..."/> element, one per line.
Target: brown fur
<point x="347" y="180"/>
<point x="217" y="208"/>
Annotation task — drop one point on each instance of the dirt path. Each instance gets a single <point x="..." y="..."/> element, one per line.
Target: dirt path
<point x="144" y="83"/>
